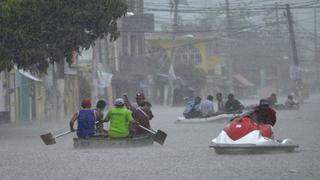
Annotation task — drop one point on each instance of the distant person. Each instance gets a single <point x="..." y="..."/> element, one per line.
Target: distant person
<point x="119" y="118"/>
<point x="220" y="103"/>
<point x="86" y="120"/>
<point x="233" y="106"/>
<point x="143" y="115"/>
<point x="207" y="107"/>
<point x="263" y="113"/>
<point x="290" y="102"/>
<point x="272" y="99"/>
<point x="192" y="109"/>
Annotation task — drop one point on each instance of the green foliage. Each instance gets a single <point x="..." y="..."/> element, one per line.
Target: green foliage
<point x="196" y="77"/>
<point x="36" y="33"/>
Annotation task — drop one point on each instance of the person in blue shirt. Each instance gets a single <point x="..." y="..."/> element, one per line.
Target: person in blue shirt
<point x="86" y="118"/>
<point x="193" y="109"/>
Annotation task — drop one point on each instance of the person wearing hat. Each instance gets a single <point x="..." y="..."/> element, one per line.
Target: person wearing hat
<point x="119" y="118"/>
<point x="86" y="118"/>
<point x="264" y="114"/>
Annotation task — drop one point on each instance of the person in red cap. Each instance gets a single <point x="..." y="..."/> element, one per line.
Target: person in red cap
<point x="86" y="118"/>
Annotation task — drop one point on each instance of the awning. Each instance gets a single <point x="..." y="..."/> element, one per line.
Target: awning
<point x="28" y="75"/>
<point x="243" y="81"/>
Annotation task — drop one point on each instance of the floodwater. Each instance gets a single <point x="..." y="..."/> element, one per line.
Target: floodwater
<point x="185" y="154"/>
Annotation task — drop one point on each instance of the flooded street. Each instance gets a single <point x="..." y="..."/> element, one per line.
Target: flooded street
<point x="63" y="58"/>
<point x="185" y="154"/>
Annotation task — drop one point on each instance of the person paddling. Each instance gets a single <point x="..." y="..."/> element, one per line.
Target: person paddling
<point x="86" y="120"/>
<point x="119" y="118"/>
<point x="143" y="115"/>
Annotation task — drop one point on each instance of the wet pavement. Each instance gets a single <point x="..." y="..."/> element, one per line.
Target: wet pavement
<point x="185" y="155"/>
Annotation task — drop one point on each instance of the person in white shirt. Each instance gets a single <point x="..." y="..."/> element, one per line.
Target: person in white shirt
<point x="207" y="108"/>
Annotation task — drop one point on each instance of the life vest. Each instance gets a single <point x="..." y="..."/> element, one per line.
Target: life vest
<point x="240" y="127"/>
<point x="86" y="123"/>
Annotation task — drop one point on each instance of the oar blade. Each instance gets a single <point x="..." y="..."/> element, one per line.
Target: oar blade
<point x="160" y="137"/>
<point x="48" y="139"/>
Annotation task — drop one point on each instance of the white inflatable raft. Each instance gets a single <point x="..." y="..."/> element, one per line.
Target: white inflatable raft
<point x="220" y="117"/>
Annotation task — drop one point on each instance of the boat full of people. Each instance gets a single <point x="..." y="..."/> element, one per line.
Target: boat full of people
<point x="204" y="112"/>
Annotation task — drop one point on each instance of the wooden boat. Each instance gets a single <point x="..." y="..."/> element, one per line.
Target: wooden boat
<point x="104" y="142"/>
<point x="220" y="117"/>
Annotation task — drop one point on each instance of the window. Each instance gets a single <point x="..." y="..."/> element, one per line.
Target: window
<point x="133" y="45"/>
<point x="187" y="54"/>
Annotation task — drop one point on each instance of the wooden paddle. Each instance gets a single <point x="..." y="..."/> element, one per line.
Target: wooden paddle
<point x="49" y="139"/>
<point x="160" y="136"/>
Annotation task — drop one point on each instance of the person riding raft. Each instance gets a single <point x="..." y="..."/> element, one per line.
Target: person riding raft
<point x="233" y="106"/>
<point x="193" y="109"/>
<point x="220" y="103"/>
<point x="207" y="107"/>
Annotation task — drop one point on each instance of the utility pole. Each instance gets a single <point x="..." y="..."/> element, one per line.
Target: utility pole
<point x="315" y="35"/>
<point x="94" y="64"/>
<point x="229" y="60"/>
<point x="316" y="56"/>
<point x="278" y="66"/>
<point x="175" y="4"/>
<point x="228" y="11"/>
<point x="296" y="74"/>
<point x="292" y="37"/>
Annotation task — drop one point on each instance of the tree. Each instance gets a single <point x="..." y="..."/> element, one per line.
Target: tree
<point x="37" y="33"/>
<point x="194" y="76"/>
